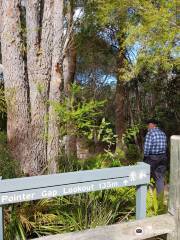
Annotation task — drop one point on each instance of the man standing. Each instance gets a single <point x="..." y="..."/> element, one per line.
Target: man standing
<point x="155" y="153"/>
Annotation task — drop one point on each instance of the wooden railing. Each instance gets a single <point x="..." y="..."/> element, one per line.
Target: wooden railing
<point x="32" y="188"/>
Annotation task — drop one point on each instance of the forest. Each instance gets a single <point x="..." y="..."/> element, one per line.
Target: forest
<point x="78" y="81"/>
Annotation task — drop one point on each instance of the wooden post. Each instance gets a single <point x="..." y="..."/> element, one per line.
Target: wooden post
<point x="174" y="193"/>
<point x="141" y="194"/>
<point x="1" y="221"/>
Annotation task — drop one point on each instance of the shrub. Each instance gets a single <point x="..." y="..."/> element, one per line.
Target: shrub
<point x="8" y="166"/>
<point x="71" y="213"/>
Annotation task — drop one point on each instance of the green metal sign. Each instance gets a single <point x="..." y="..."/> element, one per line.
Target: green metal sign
<point x="48" y="186"/>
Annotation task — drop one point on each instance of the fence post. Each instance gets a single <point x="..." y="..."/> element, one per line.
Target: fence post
<point x="174" y="191"/>
<point x="1" y="222"/>
<point x="141" y="193"/>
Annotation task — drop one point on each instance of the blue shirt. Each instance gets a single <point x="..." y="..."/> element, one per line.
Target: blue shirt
<point x="155" y="142"/>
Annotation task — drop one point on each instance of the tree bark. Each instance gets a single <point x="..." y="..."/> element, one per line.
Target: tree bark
<point x="120" y="99"/>
<point x="39" y="38"/>
<point x="69" y="69"/>
<point x="1" y="13"/>
<point x="120" y="112"/>
<point x="32" y="80"/>
<point x="18" y="117"/>
<point x="56" y="86"/>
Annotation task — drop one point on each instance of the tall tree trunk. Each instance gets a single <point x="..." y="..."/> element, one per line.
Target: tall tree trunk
<point x="1" y="18"/>
<point x="120" y="112"/>
<point x="32" y="80"/>
<point x="39" y="38"/>
<point x="69" y="69"/>
<point x="120" y="99"/>
<point x="56" y="85"/>
<point x="138" y="102"/>
<point x="16" y="85"/>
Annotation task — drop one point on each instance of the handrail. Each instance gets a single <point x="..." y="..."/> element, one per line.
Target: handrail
<point x="131" y="230"/>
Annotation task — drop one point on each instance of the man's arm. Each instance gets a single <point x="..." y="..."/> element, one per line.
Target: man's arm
<point x="147" y="144"/>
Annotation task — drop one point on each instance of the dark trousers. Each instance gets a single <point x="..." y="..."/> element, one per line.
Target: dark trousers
<point x="158" y="165"/>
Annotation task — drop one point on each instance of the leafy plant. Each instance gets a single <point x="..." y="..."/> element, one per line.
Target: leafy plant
<point x="78" y="117"/>
<point x="131" y="133"/>
<point x="2" y="101"/>
<point x="105" y="133"/>
<point x="83" y="118"/>
<point x="66" y="214"/>
<point x="9" y="168"/>
<point x="155" y="203"/>
<point x="133" y="154"/>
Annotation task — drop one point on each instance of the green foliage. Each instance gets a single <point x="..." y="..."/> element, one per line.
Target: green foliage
<point x="133" y="154"/>
<point x="146" y="29"/>
<point x="8" y="166"/>
<point x="2" y="110"/>
<point x="152" y="203"/>
<point x="66" y="214"/>
<point x="2" y="101"/>
<point x="131" y="133"/>
<point x="156" y="36"/>
<point x="40" y="88"/>
<point x="78" y="118"/>
<point x="82" y="117"/>
<point x="14" y="229"/>
<point x="104" y="160"/>
<point x="155" y="203"/>
<point x="105" y="133"/>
